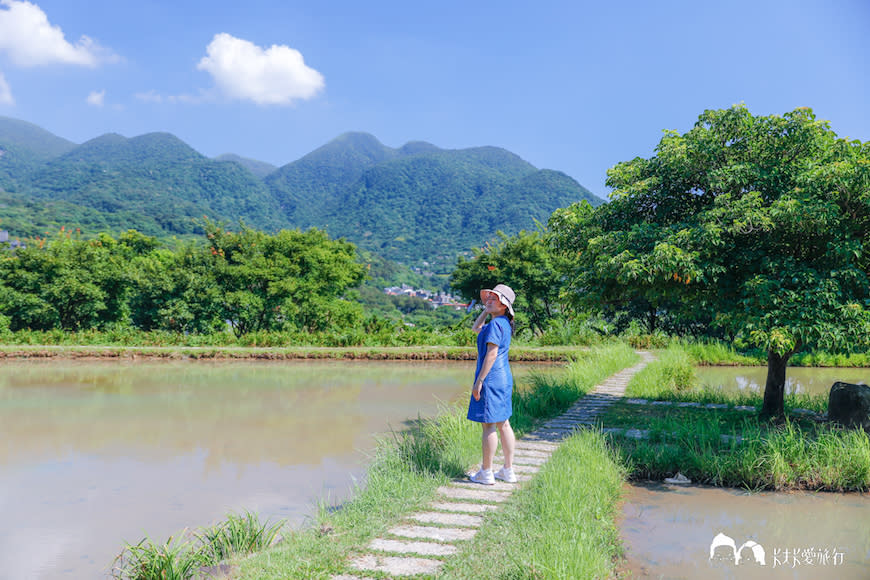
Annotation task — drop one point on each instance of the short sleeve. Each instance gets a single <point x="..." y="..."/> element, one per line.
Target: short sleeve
<point x="494" y="333"/>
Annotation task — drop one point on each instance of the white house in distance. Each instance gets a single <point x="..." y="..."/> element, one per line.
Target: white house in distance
<point x="435" y="298"/>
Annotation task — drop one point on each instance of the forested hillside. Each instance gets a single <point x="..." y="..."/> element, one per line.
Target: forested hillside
<point x="414" y="204"/>
<point x="418" y="202"/>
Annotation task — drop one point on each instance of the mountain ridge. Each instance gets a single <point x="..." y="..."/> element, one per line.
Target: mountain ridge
<point x="407" y="203"/>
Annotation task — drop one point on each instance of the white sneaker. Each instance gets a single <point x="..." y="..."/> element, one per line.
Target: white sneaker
<point x="483" y="477"/>
<point x="506" y="474"/>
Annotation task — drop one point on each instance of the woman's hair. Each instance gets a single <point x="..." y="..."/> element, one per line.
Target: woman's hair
<point x="511" y="318"/>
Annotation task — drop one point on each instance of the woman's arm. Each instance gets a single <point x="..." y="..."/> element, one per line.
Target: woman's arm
<point x="488" y="361"/>
<point x="478" y="324"/>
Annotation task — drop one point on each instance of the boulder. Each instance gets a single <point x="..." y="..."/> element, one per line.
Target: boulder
<point x="849" y="405"/>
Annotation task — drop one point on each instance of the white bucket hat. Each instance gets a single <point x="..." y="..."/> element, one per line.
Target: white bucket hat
<point x="505" y="295"/>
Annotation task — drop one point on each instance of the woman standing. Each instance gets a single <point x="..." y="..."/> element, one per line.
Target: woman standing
<point x="490" y="402"/>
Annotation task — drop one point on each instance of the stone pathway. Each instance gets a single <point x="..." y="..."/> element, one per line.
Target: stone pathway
<point x="421" y="544"/>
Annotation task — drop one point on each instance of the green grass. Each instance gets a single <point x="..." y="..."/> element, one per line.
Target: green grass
<point x="182" y="557"/>
<point x="560" y="526"/>
<point x="238" y="534"/>
<point x="177" y="559"/>
<point x="712" y="352"/>
<point x="778" y="457"/>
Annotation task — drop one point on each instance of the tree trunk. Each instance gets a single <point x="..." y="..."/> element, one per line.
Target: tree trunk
<point x="774" y="389"/>
<point x="651" y="320"/>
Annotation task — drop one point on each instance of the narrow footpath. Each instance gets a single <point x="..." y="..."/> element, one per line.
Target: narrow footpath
<point x="426" y="539"/>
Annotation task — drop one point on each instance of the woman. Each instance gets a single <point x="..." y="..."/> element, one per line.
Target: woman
<point x="490" y="402"/>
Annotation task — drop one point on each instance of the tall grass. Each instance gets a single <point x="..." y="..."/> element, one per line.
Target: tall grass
<point x="177" y="559"/>
<point x="714" y="352"/>
<point x="181" y="559"/>
<point x="778" y="457"/>
<point x="237" y="534"/>
<point x="560" y="526"/>
<point x="670" y="377"/>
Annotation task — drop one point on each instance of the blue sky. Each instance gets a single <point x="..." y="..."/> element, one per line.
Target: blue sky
<point x="574" y="86"/>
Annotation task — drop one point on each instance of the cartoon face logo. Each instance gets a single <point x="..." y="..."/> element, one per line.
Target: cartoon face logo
<point x="721" y="540"/>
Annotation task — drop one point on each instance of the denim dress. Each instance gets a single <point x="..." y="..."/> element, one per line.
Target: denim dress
<point x="494" y="405"/>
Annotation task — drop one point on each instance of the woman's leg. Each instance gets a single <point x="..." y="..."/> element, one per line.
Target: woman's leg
<point x="489" y="442"/>
<point x="508" y="442"/>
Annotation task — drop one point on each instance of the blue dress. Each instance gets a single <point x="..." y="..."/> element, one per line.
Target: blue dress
<point x="494" y="405"/>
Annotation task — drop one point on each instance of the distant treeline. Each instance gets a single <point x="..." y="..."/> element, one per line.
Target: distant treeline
<point x="247" y="280"/>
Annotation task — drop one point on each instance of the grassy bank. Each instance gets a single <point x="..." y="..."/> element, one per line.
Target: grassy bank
<point x="518" y="353"/>
<point x="728" y="447"/>
<point x="408" y="467"/>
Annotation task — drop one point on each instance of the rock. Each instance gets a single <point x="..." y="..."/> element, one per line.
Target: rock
<point x="678" y="479"/>
<point x="849" y="405"/>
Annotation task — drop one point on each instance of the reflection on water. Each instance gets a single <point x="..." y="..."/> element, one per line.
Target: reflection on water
<point x="668" y="532"/>
<point x="99" y="452"/>
<point x="813" y="381"/>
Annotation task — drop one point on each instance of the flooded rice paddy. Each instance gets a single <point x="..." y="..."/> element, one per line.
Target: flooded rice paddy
<point x="673" y="532"/>
<point x="95" y="453"/>
<point x="800" y="380"/>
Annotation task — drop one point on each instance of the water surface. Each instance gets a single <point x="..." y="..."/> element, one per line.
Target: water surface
<point x="94" y="453"/>
<point x="807" y="380"/>
<point x="668" y="532"/>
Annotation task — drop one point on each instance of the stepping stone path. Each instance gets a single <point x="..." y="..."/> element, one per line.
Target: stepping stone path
<point x="421" y="543"/>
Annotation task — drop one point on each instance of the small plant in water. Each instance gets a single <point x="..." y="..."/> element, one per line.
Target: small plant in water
<point x="238" y="534"/>
<point x="175" y="560"/>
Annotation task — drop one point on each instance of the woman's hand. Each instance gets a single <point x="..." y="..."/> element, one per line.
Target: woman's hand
<point x="475" y="390"/>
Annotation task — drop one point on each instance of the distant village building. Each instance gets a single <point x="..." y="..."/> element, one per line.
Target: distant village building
<point x="4" y="239"/>
<point x="436" y="299"/>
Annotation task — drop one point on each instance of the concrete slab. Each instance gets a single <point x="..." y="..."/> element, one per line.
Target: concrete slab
<point x="395" y="565"/>
<point x="497" y="486"/>
<point x="460" y="520"/>
<point x="523" y="444"/>
<point x="531" y="453"/>
<point x="433" y="533"/>
<point x="456" y="492"/>
<point x="525" y="469"/>
<point x="473" y="508"/>
<point x="402" y="547"/>
<point x="527" y="460"/>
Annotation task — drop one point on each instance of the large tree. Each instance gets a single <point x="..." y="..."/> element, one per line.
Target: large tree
<point x="524" y="262"/>
<point x="747" y="226"/>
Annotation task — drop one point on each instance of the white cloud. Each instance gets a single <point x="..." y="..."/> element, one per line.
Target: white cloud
<point x="273" y="76"/>
<point x="29" y="39"/>
<point x="5" y="92"/>
<point x="96" y="98"/>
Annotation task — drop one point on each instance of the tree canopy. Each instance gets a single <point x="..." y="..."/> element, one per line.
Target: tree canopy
<point x="745" y="226"/>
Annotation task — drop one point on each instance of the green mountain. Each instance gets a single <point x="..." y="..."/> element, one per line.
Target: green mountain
<point x="259" y="168"/>
<point x="308" y="187"/>
<point x="23" y="148"/>
<point x="155" y="183"/>
<point x="418" y="202"/>
<point x="412" y="204"/>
